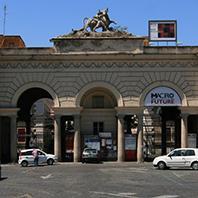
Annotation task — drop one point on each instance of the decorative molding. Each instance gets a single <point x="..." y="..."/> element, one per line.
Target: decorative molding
<point x="97" y="65"/>
<point x="8" y="111"/>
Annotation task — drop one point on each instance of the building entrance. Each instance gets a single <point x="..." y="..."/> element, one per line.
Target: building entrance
<point x="67" y="138"/>
<point x="35" y="124"/>
<point x="161" y="127"/>
<point x="171" y="127"/>
<point x="4" y="139"/>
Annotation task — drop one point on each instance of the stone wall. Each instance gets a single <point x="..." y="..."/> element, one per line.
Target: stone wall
<point x="64" y="75"/>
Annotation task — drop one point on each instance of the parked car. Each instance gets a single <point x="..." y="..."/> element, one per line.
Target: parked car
<point x="26" y="157"/>
<point x="90" y="155"/>
<point x="181" y="157"/>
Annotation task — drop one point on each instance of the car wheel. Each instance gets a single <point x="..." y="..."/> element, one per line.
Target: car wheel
<point x="50" y="161"/>
<point x="24" y="163"/>
<point x="195" y="165"/>
<point x="161" y="165"/>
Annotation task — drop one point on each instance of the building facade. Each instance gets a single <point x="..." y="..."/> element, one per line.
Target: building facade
<point x="129" y="100"/>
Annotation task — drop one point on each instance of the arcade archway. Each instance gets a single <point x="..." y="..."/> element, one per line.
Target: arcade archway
<point x="34" y="120"/>
<point x="161" y="122"/>
<point x="99" y="121"/>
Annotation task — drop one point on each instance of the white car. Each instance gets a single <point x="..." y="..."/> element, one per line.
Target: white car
<point x="182" y="157"/>
<point x="26" y="157"/>
<point x="89" y="155"/>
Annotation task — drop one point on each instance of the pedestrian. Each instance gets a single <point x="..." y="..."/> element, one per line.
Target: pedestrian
<point x="36" y="157"/>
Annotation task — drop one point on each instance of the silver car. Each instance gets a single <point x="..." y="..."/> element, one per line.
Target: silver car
<point x="182" y="157"/>
<point x="26" y="157"/>
<point x="90" y="155"/>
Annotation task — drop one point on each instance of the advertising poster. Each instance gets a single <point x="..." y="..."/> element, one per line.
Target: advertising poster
<point x="130" y="142"/>
<point x="192" y="140"/>
<point x="21" y="132"/>
<point x="92" y="141"/>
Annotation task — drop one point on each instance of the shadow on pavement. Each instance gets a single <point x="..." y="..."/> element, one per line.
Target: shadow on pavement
<point x="3" y="178"/>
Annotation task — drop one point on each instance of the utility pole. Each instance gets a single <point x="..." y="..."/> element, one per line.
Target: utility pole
<point x="4" y="19"/>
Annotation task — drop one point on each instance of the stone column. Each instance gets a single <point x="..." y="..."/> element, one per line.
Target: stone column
<point x="13" y="139"/>
<point x="57" y="137"/>
<point x="77" y="150"/>
<point x="184" y="130"/>
<point x="121" y="153"/>
<point x="140" y="139"/>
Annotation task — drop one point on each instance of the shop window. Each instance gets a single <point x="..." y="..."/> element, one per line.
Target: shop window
<point x="98" y="127"/>
<point x="98" y="101"/>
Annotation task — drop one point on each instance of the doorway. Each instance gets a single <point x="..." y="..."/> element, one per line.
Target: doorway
<point x="171" y="129"/>
<point x="67" y="138"/>
<point x="161" y="129"/>
<point x="4" y="139"/>
<point x="193" y="131"/>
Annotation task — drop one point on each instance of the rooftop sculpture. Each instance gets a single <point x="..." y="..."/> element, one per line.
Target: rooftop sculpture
<point x="100" y="20"/>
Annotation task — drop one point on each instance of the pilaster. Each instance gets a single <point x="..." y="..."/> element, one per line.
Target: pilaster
<point x="121" y="154"/>
<point x="184" y="130"/>
<point x="140" y="139"/>
<point x="57" y="136"/>
<point x="77" y="150"/>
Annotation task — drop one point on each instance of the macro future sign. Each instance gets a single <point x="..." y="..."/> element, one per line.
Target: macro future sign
<point x="165" y="30"/>
<point x="162" y="96"/>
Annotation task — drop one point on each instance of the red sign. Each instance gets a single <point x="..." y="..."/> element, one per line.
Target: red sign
<point x="21" y="134"/>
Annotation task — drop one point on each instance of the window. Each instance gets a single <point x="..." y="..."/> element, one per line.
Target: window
<point x="26" y="153"/>
<point x="98" y="127"/>
<point x="40" y="153"/>
<point x="177" y="153"/>
<point x="98" y="101"/>
<point x="190" y="153"/>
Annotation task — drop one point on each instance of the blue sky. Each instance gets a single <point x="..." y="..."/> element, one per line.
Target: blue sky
<point x="37" y="21"/>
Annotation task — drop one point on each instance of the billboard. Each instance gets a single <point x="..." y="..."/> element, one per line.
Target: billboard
<point x="163" y="30"/>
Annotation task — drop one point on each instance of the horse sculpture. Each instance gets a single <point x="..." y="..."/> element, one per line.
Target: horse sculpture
<point x="100" y="20"/>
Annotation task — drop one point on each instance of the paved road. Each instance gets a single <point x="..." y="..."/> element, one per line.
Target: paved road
<point x="106" y="180"/>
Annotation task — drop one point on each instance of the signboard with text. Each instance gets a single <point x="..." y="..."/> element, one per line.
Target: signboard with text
<point x="162" y="96"/>
<point x="164" y="30"/>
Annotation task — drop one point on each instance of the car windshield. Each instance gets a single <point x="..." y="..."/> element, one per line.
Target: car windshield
<point x="91" y="150"/>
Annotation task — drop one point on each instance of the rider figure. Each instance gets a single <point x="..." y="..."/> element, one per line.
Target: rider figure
<point x="99" y="19"/>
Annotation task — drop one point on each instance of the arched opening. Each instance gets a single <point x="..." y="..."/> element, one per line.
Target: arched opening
<point x="161" y="122"/>
<point x="34" y="121"/>
<point x="98" y="122"/>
